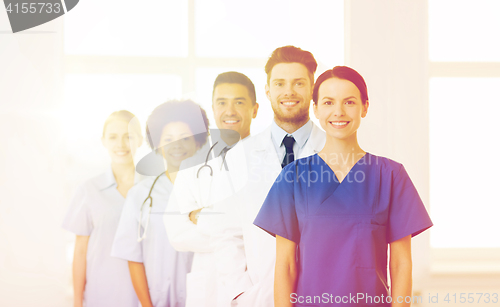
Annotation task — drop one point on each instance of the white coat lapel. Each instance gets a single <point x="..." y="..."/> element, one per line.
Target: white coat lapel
<point x="265" y="152"/>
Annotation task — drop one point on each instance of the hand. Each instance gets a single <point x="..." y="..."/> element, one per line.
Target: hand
<point x="192" y="216"/>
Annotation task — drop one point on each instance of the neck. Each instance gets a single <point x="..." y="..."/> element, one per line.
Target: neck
<point x="342" y="150"/>
<point x="230" y="141"/>
<point x="123" y="172"/>
<point x="171" y="176"/>
<point x="290" y="127"/>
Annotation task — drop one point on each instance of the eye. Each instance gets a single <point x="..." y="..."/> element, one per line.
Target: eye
<point x="240" y="102"/>
<point x="221" y="103"/>
<point x="300" y="83"/>
<point x="328" y="102"/>
<point x="278" y="84"/>
<point x="350" y="102"/>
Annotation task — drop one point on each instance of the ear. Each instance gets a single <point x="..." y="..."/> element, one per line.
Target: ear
<point x="315" y="109"/>
<point x="365" y="109"/>
<point x="255" y="110"/>
<point x="267" y="92"/>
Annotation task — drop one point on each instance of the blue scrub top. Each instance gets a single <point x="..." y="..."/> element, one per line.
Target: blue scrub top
<point x="343" y="229"/>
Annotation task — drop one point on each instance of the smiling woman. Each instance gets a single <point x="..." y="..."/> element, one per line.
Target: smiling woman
<point x="332" y="234"/>
<point x="98" y="278"/>
<point x="175" y="131"/>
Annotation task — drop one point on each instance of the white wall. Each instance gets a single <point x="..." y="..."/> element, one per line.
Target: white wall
<point x="33" y="189"/>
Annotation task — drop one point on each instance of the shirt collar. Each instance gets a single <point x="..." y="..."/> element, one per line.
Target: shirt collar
<point x="301" y="135"/>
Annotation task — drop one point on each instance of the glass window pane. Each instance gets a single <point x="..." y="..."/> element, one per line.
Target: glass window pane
<point x="89" y="99"/>
<point x="464" y="30"/>
<point x="127" y="28"/>
<point x="226" y="28"/>
<point x="464" y="178"/>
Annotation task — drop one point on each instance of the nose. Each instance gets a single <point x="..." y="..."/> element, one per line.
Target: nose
<point x="338" y="109"/>
<point x="177" y="143"/>
<point x="230" y="110"/>
<point x="289" y="90"/>
<point x="124" y="142"/>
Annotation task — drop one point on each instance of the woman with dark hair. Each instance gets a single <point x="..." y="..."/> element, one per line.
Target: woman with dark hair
<point x="335" y="213"/>
<point x="175" y="130"/>
<point x="98" y="278"/>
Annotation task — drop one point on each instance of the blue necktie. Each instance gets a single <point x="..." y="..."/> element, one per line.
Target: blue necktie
<point x="288" y="142"/>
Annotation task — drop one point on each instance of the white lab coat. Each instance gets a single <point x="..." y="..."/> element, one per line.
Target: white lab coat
<point x="217" y="274"/>
<point x="260" y="247"/>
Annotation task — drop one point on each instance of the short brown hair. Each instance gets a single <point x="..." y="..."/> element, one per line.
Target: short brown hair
<point x="291" y="54"/>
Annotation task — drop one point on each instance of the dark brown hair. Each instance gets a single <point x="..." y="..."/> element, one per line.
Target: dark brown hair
<point x="345" y="73"/>
<point x="233" y="77"/>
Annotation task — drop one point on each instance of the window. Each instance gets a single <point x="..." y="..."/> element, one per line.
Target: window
<point x="464" y="78"/>
<point x="136" y="55"/>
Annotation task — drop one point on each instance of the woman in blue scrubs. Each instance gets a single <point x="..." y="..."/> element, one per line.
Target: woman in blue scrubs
<point x="157" y="270"/>
<point x="335" y="213"/>
<point x="100" y="280"/>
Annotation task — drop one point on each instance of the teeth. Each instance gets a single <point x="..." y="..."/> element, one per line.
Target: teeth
<point x="177" y="155"/>
<point x="339" y="123"/>
<point x="289" y="103"/>
<point x="121" y="153"/>
<point x="230" y="121"/>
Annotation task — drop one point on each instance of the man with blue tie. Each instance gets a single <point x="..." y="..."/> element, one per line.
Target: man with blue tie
<point x="291" y="135"/>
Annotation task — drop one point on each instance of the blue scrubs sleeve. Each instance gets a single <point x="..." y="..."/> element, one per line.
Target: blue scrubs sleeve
<point x="78" y="219"/>
<point x="125" y="244"/>
<point x="277" y="215"/>
<point x="407" y="215"/>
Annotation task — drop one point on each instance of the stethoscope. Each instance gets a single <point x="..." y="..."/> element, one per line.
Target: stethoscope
<point x="150" y="198"/>
<point x="206" y="161"/>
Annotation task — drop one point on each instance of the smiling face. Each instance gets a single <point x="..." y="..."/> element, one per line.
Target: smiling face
<point x="340" y="108"/>
<point x="233" y="108"/>
<point x="289" y="91"/>
<point x="121" y="144"/>
<point x="177" y="143"/>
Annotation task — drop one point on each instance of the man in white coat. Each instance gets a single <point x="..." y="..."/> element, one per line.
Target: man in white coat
<point x="292" y="135"/>
<point x="204" y="198"/>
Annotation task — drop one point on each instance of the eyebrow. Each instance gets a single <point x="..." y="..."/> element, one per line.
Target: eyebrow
<point x="296" y="79"/>
<point x="350" y="97"/>
<point x="222" y="98"/>
<point x="330" y="98"/>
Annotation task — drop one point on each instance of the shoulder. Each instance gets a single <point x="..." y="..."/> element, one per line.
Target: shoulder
<point x="297" y="168"/>
<point x="384" y="165"/>
<point x="142" y="186"/>
<point x="92" y="184"/>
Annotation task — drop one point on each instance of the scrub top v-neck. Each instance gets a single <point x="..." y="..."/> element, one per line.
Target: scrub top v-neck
<point x="95" y="211"/>
<point x="343" y="229"/>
